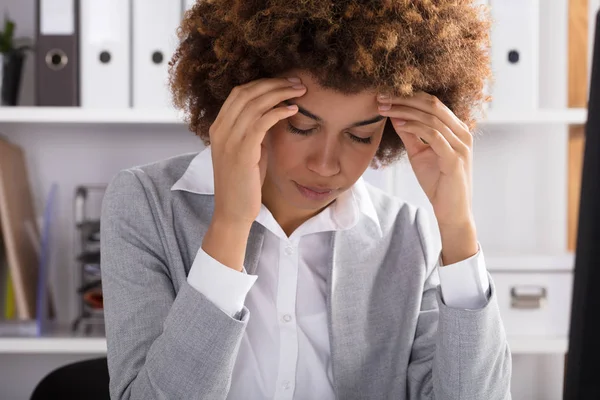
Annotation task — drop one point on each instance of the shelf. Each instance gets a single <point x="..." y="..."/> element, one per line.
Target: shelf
<point x="572" y="116"/>
<point x="53" y="345"/>
<point x="57" y="339"/>
<point x="538" y="345"/>
<point x="73" y="115"/>
<point x="530" y="262"/>
<point x="71" y="345"/>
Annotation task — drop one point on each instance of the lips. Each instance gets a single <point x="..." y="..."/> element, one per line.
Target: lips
<point x="318" y="190"/>
<point x="314" y="193"/>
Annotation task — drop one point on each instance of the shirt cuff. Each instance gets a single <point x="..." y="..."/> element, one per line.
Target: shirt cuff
<point x="465" y="284"/>
<point x="224" y="287"/>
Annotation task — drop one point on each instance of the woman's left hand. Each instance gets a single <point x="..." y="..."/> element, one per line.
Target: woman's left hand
<point x="443" y="164"/>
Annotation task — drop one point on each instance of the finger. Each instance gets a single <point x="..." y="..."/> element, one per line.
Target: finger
<point x="258" y="107"/>
<point x="241" y="95"/>
<point x="412" y="143"/>
<point x="434" y="138"/>
<point x="256" y="133"/>
<point x="412" y="114"/>
<point x="232" y="96"/>
<point x="432" y="105"/>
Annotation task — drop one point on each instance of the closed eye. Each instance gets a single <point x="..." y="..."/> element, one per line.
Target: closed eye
<point x="307" y="132"/>
<point x="297" y="131"/>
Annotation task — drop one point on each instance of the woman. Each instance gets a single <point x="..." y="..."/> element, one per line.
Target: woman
<point x="264" y="266"/>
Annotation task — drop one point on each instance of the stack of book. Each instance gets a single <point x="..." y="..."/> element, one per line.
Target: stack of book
<point x="25" y="300"/>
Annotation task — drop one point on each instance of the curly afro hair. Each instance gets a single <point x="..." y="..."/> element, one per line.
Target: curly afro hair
<point x="396" y="46"/>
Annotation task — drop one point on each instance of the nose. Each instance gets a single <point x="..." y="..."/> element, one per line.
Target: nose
<point x="324" y="160"/>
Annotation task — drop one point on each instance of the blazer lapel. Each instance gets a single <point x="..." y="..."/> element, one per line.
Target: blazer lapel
<point x="353" y="258"/>
<point x="254" y="247"/>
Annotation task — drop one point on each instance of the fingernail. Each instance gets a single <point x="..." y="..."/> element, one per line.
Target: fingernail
<point x="399" y="122"/>
<point x="385" y="107"/>
<point x="294" y="80"/>
<point x="383" y="96"/>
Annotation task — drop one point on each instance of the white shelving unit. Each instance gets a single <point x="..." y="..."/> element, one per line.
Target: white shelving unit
<point x="520" y="179"/>
<point x="65" y="115"/>
<point x="53" y="345"/>
<point x="62" y="343"/>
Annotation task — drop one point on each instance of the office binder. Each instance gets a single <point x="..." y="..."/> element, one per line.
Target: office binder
<point x="515" y="54"/>
<point x="104" y="49"/>
<point x="56" y="56"/>
<point x="155" y="25"/>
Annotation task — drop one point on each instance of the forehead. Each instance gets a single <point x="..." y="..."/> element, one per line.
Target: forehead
<point x="335" y="106"/>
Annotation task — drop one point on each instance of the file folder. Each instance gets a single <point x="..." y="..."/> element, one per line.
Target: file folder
<point x="155" y="24"/>
<point x="105" y="77"/>
<point x="56" y="56"/>
<point x="515" y="54"/>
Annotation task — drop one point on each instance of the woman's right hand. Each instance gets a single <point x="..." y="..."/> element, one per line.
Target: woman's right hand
<point x="239" y="159"/>
<point x="240" y="162"/>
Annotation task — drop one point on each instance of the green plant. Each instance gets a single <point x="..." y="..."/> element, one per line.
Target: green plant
<point x="7" y="39"/>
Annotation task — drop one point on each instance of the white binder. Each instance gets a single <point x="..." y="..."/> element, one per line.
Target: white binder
<point x="515" y="54"/>
<point x="155" y="25"/>
<point x="104" y="48"/>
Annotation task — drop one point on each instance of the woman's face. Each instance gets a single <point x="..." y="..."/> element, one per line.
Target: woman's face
<point x="339" y="138"/>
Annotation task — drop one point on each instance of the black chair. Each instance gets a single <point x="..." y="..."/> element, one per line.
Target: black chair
<point x="77" y="381"/>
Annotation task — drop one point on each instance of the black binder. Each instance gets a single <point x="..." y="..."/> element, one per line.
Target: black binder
<point x="57" y="53"/>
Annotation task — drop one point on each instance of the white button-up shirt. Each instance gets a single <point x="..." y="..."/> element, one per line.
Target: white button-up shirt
<point x="285" y="351"/>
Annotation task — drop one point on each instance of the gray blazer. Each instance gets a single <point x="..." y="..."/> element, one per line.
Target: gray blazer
<point x="391" y="335"/>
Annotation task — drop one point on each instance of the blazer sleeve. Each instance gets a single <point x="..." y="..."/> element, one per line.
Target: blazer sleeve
<point x="161" y="344"/>
<point x="456" y="353"/>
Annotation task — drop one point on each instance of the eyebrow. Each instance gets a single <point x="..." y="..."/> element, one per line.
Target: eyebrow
<point x="307" y="113"/>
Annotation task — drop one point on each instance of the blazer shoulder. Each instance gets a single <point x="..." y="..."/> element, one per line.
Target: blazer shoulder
<point x="152" y="182"/>
<point x="156" y="176"/>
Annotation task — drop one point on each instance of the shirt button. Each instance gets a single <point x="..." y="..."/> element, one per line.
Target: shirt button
<point x="287" y="318"/>
<point x="285" y="385"/>
<point x="289" y="250"/>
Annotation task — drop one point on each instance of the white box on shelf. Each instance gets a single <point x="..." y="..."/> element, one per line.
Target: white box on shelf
<point x="515" y="54"/>
<point x="534" y="304"/>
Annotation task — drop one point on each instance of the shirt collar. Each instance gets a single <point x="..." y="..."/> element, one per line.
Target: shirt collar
<point x="199" y="179"/>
